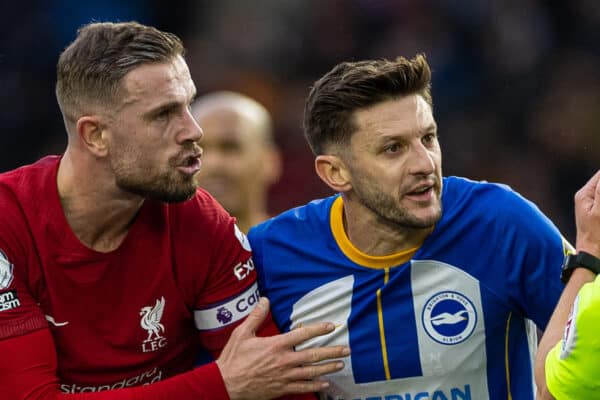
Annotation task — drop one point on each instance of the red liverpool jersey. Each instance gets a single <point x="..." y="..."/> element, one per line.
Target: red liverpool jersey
<point x="182" y="278"/>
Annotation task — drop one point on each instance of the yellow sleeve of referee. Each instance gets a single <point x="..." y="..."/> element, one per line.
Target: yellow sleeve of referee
<point x="573" y="365"/>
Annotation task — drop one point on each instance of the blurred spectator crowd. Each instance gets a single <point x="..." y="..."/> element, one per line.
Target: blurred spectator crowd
<point x="516" y="85"/>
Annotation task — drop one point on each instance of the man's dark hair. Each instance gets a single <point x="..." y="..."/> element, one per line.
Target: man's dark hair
<point x="350" y="86"/>
<point x="90" y="70"/>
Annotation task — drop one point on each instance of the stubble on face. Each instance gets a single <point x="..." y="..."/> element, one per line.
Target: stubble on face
<point x="136" y="163"/>
<point x="148" y="181"/>
<point x="384" y="195"/>
<point x="387" y="207"/>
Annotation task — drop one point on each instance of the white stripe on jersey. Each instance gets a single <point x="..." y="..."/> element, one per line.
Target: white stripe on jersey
<point x="461" y="362"/>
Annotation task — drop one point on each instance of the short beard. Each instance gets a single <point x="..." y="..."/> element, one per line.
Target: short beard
<point x="388" y="211"/>
<point x="161" y="188"/>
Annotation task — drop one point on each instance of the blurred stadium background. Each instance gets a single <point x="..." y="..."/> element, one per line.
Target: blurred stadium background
<point x="516" y="83"/>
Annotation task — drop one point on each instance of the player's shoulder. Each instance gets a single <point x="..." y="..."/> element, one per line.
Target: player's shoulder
<point x="203" y="233"/>
<point x="490" y="204"/>
<point x="202" y="206"/>
<point x="31" y="177"/>
<point x="306" y="217"/>
<point x="22" y="190"/>
<point x="457" y="186"/>
<point x="201" y="215"/>
<point x="483" y="197"/>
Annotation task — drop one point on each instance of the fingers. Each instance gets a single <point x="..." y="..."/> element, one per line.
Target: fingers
<point x="596" y="188"/>
<point x="592" y="187"/>
<point x="311" y="372"/>
<point x="587" y="216"/>
<point x="305" y="379"/>
<point x="300" y="335"/>
<point x="318" y="354"/>
<point x="314" y="354"/>
<point x="588" y="196"/>
<point x="305" y="387"/>
<point x="595" y="178"/>
<point x="255" y="319"/>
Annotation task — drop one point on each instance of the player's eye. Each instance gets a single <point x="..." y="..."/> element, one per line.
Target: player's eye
<point x="392" y="148"/>
<point x="163" y="114"/>
<point x="429" y="138"/>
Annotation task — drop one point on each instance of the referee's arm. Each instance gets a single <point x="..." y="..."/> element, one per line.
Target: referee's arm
<point x="587" y="219"/>
<point x="555" y="329"/>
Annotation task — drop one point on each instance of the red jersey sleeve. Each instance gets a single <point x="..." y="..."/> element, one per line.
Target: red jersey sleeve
<point x="28" y="371"/>
<point x="19" y="312"/>
<point x="28" y="359"/>
<point x="228" y="291"/>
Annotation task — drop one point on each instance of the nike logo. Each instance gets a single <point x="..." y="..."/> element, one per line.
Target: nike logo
<point x="53" y="322"/>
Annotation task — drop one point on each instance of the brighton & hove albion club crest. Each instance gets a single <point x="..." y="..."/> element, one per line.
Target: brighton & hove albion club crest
<point x="6" y="271"/>
<point x="150" y="321"/>
<point x="449" y="317"/>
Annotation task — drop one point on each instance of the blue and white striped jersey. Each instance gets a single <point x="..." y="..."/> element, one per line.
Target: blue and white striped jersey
<point x="447" y="321"/>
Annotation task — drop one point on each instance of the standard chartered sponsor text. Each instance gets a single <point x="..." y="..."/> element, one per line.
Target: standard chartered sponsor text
<point x="145" y="378"/>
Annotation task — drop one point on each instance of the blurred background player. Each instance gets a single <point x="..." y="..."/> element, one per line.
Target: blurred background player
<point x="240" y="159"/>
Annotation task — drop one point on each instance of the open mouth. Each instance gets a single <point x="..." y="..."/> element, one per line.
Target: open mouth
<point x="191" y="161"/>
<point x="190" y="166"/>
<point x="423" y="193"/>
<point x="422" y="190"/>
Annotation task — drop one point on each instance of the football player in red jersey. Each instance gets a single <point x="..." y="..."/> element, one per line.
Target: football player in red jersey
<point x="115" y="269"/>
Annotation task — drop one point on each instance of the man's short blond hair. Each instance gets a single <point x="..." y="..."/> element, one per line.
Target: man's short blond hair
<point x="90" y="70"/>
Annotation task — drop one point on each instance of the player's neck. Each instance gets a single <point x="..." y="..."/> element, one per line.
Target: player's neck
<point x="371" y="236"/>
<point x="98" y="214"/>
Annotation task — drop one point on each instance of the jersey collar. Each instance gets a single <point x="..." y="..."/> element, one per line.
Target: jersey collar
<point x="379" y="262"/>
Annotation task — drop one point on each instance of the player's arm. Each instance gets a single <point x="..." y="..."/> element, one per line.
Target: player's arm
<point x="571" y="365"/>
<point x="28" y="371"/>
<point x="254" y="359"/>
<point x="28" y="358"/>
<point x="268" y="367"/>
<point x="587" y="217"/>
<point x="258" y="362"/>
<point x="250" y="366"/>
<point x="254" y="368"/>
<point x="555" y="329"/>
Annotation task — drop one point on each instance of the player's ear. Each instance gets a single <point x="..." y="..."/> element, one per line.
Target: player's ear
<point x="332" y="170"/>
<point x="90" y="130"/>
